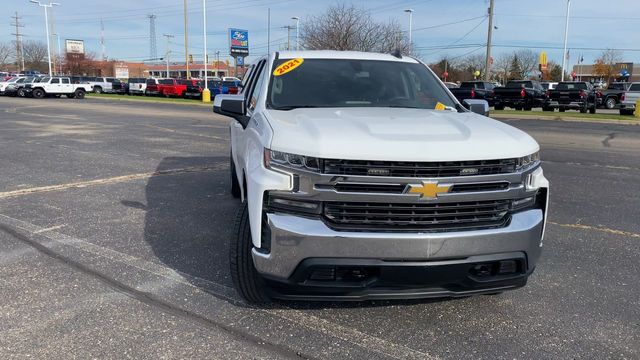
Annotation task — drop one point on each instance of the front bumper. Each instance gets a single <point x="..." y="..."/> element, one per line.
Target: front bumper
<point x="439" y="261"/>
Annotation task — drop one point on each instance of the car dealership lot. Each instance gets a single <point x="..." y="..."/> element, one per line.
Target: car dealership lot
<point x="114" y="227"/>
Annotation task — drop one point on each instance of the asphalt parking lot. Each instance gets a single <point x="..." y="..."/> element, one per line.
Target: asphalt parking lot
<point x="114" y="227"/>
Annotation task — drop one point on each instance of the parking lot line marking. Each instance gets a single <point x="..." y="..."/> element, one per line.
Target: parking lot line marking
<point x="311" y="322"/>
<point x="49" y="229"/>
<point x="112" y="180"/>
<point x="67" y="117"/>
<point x="597" y="228"/>
<point x="183" y="132"/>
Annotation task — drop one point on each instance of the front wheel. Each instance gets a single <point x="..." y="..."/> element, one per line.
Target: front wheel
<point x="248" y="283"/>
<point x="38" y="93"/>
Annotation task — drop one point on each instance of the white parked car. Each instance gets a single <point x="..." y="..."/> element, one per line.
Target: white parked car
<point x="629" y="99"/>
<point x="56" y="86"/>
<point x="362" y="177"/>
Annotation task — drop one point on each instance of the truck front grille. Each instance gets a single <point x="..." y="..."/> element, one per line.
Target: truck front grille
<point x="457" y="216"/>
<point x="418" y="169"/>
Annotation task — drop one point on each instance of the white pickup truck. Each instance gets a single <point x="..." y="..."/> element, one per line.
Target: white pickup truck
<point x="629" y="99"/>
<point x="56" y="86"/>
<point x="362" y="177"/>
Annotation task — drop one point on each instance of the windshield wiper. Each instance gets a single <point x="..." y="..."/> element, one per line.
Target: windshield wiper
<point x="291" y="107"/>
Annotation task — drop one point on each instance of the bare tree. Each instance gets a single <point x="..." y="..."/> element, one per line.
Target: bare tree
<point x="344" y="27"/>
<point x="6" y="51"/>
<point x="502" y="66"/>
<point x="470" y="64"/>
<point x="605" y="66"/>
<point x="35" y="55"/>
<point x="528" y="61"/>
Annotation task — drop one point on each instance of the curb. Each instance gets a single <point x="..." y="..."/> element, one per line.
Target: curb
<point x="559" y="118"/>
<point x="150" y="101"/>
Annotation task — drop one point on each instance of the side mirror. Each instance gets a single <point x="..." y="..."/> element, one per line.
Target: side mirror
<point x="232" y="106"/>
<point x="480" y="107"/>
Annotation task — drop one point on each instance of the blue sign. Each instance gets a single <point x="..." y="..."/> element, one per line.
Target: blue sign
<point x="240" y="61"/>
<point x="238" y="42"/>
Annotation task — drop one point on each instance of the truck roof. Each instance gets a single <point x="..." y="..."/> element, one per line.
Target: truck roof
<point x="334" y="54"/>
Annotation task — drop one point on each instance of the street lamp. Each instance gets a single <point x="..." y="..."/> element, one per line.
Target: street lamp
<point x="297" y="19"/>
<point x="206" y="94"/>
<point x="46" y="23"/>
<point x="410" y="11"/>
<point x="167" y="36"/>
<point x="566" y="33"/>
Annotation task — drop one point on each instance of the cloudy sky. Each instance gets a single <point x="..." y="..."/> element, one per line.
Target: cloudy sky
<point x="441" y="27"/>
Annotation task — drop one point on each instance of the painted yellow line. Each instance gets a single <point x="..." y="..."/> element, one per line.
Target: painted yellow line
<point x="597" y="228"/>
<point x="183" y="132"/>
<point x="112" y="180"/>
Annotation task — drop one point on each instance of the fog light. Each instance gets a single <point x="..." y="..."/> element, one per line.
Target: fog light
<point x="508" y="267"/>
<point x="323" y="274"/>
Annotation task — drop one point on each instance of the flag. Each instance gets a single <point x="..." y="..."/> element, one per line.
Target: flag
<point x="581" y="59"/>
<point x="567" y="56"/>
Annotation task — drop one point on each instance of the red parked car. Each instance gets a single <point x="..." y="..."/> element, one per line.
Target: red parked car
<point x="174" y="87"/>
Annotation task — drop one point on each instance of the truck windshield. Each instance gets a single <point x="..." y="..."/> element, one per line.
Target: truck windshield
<point x="518" y="84"/>
<point x="571" y="86"/>
<point x="355" y="83"/>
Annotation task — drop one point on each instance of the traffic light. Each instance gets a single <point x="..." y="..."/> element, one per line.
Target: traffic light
<point x="190" y="59"/>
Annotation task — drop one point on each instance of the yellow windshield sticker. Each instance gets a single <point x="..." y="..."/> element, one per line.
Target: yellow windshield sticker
<point x="440" y="106"/>
<point x="287" y="66"/>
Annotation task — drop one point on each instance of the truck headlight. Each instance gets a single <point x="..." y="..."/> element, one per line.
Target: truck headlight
<point x="294" y="161"/>
<point x="527" y="162"/>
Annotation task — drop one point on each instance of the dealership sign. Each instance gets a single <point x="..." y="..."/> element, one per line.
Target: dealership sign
<point x="74" y="46"/>
<point x="238" y="42"/>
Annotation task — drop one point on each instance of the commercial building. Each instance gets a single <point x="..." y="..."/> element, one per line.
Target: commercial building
<point x="627" y="72"/>
<point x="196" y="70"/>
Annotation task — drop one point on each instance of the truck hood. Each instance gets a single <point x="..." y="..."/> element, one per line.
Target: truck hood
<point x="395" y="134"/>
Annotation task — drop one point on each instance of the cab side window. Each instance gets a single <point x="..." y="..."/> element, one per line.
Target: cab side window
<point x="257" y="87"/>
<point x="55" y="81"/>
<point x="65" y="81"/>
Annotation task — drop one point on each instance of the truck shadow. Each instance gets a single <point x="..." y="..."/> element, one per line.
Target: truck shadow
<point x="189" y="222"/>
<point x="189" y="216"/>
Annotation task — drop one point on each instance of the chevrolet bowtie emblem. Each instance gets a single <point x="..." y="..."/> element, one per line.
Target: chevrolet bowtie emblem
<point x="427" y="190"/>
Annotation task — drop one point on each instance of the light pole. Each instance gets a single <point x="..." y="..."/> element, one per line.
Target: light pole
<point x="297" y="19"/>
<point x="46" y="23"/>
<point x="206" y="94"/>
<point x="410" y="11"/>
<point x="167" y="52"/>
<point x="566" y="33"/>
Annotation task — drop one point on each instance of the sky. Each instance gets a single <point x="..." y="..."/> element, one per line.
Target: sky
<point x="440" y="27"/>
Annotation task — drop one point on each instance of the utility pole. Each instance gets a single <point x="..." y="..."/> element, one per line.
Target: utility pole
<point x="167" y="52"/>
<point x="46" y="23"/>
<point x="217" y="61"/>
<point x="206" y="94"/>
<point x="54" y="59"/>
<point x="186" y="40"/>
<point x="487" y="62"/>
<point x="566" y="33"/>
<point x="153" y="51"/>
<point x="104" y="53"/>
<point x="19" y="54"/>
<point x="288" y="27"/>
<point x="297" y="19"/>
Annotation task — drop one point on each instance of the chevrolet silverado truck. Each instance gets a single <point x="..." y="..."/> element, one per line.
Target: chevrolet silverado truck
<point x="56" y="86"/>
<point x="629" y="99"/>
<point x="482" y="90"/>
<point x="572" y="95"/>
<point x="519" y="95"/>
<point x="175" y="87"/>
<point x="362" y="177"/>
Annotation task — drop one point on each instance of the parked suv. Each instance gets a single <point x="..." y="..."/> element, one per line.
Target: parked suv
<point x="362" y="177"/>
<point x="137" y="86"/>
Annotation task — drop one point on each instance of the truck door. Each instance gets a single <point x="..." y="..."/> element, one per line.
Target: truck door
<point x="65" y="86"/>
<point x="54" y="86"/>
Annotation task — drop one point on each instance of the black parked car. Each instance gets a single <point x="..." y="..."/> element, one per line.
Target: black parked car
<point x="519" y="95"/>
<point x="572" y="95"/>
<point x="480" y="90"/>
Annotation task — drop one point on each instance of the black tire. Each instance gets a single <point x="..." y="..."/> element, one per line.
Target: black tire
<point x="248" y="283"/>
<point x="610" y="103"/>
<point x="626" y="112"/>
<point x="583" y="110"/>
<point x="79" y="94"/>
<point x="38" y="93"/>
<point x="235" y="185"/>
<point x="21" y="93"/>
<point x="527" y="108"/>
<point x="97" y="89"/>
<point x="547" y="108"/>
<point x="518" y="108"/>
<point x="592" y="110"/>
<point x="498" y="107"/>
<point x="561" y="109"/>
